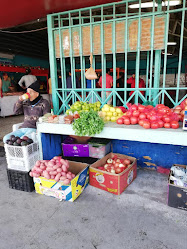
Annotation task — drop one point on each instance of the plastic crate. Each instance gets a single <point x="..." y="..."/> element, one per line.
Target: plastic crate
<point x="20" y="180"/>
<point x="22" y="157"/>
<point x="99" y="147"/>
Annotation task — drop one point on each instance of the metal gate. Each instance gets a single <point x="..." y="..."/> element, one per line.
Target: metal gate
<point x="112" y="33"/>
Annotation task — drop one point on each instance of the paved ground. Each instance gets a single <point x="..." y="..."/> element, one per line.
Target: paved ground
<point x="137" y="219"/>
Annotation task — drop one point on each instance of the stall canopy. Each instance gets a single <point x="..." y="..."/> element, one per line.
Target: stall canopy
<point x="13" y="13"/>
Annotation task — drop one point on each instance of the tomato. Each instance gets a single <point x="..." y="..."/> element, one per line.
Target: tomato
<point x="140" y="122"/>
<point x="128" y="113"/>
<point x="153" y="117"/>
<point x="126" y="121"/>
<point x="160" y="123"/>
<point x="76" y="116"/>
<point x="154" y="125"/>
<point x="174" y="124"/>
<point x="136" y="113"/>
<point x="149" y="107"/>
<point x="134" y="107"/>
<point x="159" y="106"/>
<point x="142" y="116"/>
<point x="162" y="111"/>
<point x="141" y="108"/>
<point x="166" y="119"/>
<point x="146" y="124"/>
<point x="120" y="121"/>
<point x="134" y="120"/>
<point x="167" y="125"/>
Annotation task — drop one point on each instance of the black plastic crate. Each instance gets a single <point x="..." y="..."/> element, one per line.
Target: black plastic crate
<point x="20" y="180"/>
<point x="88" y="160"/>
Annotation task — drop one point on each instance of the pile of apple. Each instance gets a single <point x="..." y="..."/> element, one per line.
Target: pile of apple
<point x="80" y="106"/>
<point x="55" y="169"/>
<point x="110" y="113"/>
<point x="150" y="117"/>
<point x="115" y="165"/>
<point x="180" y="109"/>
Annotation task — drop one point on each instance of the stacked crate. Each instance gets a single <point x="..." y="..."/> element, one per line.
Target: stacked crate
<point x="20" y="160"/>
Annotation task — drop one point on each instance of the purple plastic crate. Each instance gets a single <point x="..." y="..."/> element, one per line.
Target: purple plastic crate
<point x="70" y="148"/>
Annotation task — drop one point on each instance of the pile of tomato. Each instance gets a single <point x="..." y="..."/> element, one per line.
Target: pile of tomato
<point x="150" y="117"/>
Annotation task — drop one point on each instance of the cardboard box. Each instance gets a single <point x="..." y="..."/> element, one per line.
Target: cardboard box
<point x="71" y="148"/>
<point x="113" y="183"/>
<point x="177" y="196"/>
<point x="99" y="147"/>
<point x="65" y="192"/>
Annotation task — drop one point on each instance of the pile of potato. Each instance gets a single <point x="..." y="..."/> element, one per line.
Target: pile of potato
<point x="55" y="169"/>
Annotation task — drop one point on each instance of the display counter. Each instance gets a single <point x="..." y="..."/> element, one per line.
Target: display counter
<point x="121" y="132"/>
<point x="8" y="101"/>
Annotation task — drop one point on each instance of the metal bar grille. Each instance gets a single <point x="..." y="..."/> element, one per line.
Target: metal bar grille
<point x="67" y="32"/>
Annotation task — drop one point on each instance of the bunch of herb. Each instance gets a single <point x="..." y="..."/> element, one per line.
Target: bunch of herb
<point x="89" y="124"/>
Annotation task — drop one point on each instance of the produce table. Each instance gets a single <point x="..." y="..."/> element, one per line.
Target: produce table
<point x="7" y="103"/>
<point x="121" y="132"/>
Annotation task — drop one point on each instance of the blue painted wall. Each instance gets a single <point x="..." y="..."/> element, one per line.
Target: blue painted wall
<point x="28" y="61"/>
<point x="148" y="155"/>
<point x="151" y="155"/>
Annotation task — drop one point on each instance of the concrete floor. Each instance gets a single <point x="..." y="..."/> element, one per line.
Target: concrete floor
<point x="137" y="219"/>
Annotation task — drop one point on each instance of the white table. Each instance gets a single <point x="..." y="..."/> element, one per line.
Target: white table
<point x="7" y="104"/>
<point x="121" y="132"/>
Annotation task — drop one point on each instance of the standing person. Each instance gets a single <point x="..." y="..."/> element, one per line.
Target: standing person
<point x="32" y="109"/>
<point x="132" y="83"/>
<point x="5" y="83"/>
<point x="69" y="81"/>
<point x="120" y="84"/>
<point x="27" y="79"/>
<point x="109" y="84"/>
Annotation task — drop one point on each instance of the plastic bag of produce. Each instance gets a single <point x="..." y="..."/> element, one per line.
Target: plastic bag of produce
<point x="90" y="73"/>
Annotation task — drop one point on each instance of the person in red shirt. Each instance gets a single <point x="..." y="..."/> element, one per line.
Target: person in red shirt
<point x="132" y="83"/>
<point x="109" y="84"/>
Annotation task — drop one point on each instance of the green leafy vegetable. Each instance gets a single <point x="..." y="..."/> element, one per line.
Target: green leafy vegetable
<point x="88" y="124"/>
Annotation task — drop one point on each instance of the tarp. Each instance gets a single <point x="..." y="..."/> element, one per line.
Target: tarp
<point x="17" y="12"/>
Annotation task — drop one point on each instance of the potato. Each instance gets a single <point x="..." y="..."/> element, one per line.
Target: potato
<point x="63" y="174"/>
<point x="36" y="175"/>
<point x="52" y="177"/>
<point x="73" y="175"/>
<point x="57" y="177"/>
<point x="53" y="173"/>
<point x="59" y="170"/>
<point x="62" y="161"/>
<point x="46" y="174"/>
<point x="64" y="168"/>
<point x="69" y="176"/>
<point x="62" y="178"/>
<point x="37" y="163"/>
<point x="31" y="174"/>
<point x="38" y="170"/>
<point x="49" y="169"/>
<point x="51" y="164"/>
<point x="66" y="181"/>
<point x="43" y="167"/>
